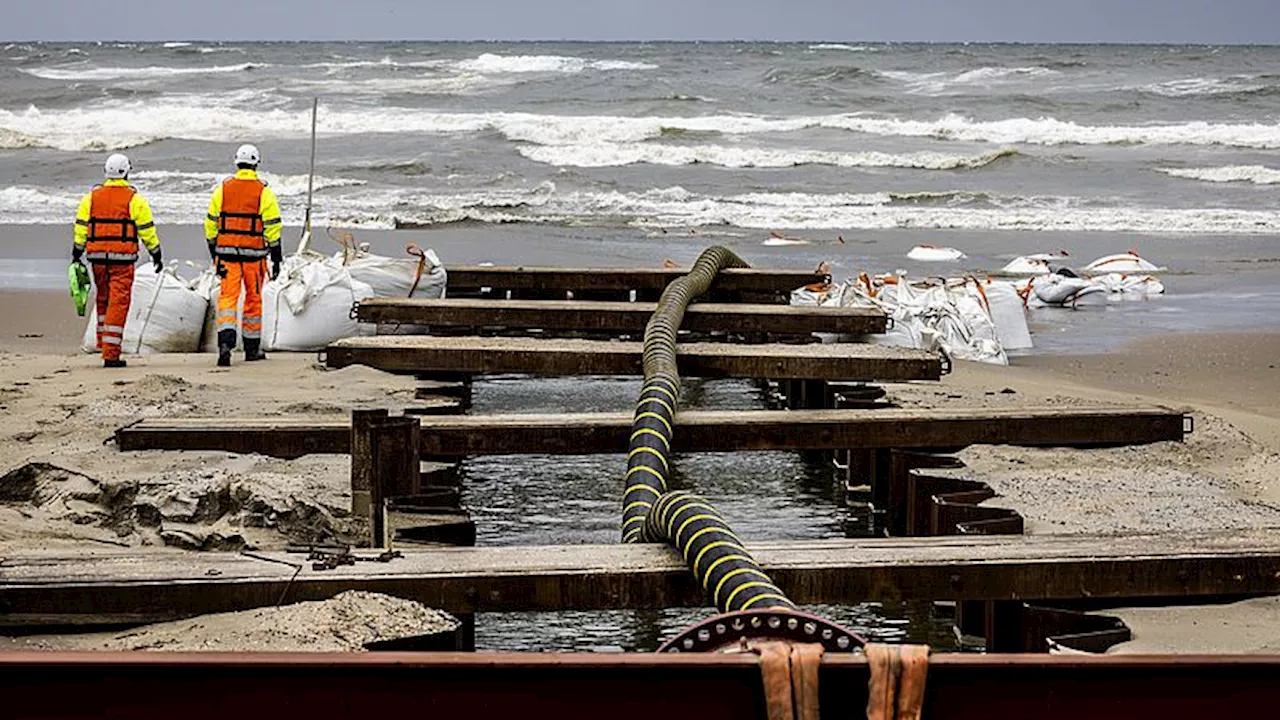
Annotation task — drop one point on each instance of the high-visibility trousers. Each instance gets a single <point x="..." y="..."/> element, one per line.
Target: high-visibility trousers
<point x="249" y="274"/>
<point x="114" y="283"/>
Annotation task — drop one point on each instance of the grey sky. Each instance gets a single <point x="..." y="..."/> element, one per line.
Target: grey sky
<point x="1195" y="21"/>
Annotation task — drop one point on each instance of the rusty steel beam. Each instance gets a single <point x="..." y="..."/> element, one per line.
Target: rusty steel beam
<point x="698" y="431"/>
<point x="101" y="585"/>
<point x="647" y="281"/>
<point x="163" y="686"/>
<point x="618" y="317"/>
<point x="488" y="356"/>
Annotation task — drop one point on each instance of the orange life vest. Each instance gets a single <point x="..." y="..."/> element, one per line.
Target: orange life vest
<point x="241" y="232"/>
<point x="113" y="235"/>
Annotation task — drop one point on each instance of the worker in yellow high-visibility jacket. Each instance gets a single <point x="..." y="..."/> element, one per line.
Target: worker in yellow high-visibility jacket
<point x="110" y="222"/>
<point x="243" y="229"/>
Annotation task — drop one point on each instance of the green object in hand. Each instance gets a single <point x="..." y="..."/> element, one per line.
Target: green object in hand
<point x="78" y="280"/>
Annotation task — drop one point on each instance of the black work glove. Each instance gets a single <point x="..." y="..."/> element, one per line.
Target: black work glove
<point x="77" y="253"/>
<point x="277" y="256"/>
<point x="156" y="261"/>
<point x="221" y="269"/>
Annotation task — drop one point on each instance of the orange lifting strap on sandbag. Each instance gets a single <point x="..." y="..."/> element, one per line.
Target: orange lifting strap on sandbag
<point x="896" y="688"/>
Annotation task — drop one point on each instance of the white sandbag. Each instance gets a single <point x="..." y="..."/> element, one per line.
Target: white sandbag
<point x="1129" y="262"/>
<point x="1061" y="291"/>
<point x="1009" y="315"/>
<point x="309" y="306"/>
<point x="165" y="315"/>
<point x="934" y="253"/>
<point x="209" y="285"/>
<point x="1130" y="286"/>
<point x="1026" y="266"/>
<point x="421" y="275"/>
<point x="950" y="316"/>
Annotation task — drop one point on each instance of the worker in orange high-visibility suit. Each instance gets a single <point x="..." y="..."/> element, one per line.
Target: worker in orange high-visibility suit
<point x="243" y="229"/>
<point x="111" y="220"/>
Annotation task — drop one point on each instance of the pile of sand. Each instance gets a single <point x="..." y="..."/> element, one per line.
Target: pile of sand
<point x="345" y="623"/>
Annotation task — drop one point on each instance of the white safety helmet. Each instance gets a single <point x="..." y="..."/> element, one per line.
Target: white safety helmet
<point x="247" y="155"/>
<point x="117" y="167"/>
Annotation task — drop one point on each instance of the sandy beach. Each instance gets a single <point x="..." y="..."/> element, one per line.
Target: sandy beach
<point x="67" y="485"/>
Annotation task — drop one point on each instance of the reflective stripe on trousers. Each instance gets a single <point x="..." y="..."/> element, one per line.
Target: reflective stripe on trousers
<point x="114" y="283"/>
<point x="250" y="275"/>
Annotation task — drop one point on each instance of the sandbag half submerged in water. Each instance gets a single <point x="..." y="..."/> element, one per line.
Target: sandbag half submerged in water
<point x="165" y="315"/>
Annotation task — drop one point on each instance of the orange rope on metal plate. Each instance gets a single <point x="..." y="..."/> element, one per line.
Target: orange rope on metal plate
<point x="896" y="688"/>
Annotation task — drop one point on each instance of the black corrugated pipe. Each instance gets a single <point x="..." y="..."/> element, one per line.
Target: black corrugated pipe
<point x="650" y="512"/>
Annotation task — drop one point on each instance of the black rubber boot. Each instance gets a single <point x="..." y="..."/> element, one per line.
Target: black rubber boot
<point x="114" y="363"/>
<point x="253" y="350"/>
<point x="226" y="343"/>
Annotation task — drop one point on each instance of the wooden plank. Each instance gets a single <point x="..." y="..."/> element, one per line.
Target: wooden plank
<point x="623" y="317"/>
<point x="93" y="583"/>
<point x="697" y="431"/>
<point x="482" y="355"/>
<point x="561" y="279"/>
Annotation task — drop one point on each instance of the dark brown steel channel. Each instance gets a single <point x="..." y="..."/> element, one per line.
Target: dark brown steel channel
<point x="163" y="686"/>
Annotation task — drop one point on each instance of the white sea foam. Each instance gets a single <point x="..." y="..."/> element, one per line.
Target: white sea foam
<point x="491" y="63"/>
<point x="619" y="154"/>
<point x="283" y="185"/>
<point x="842" y="46"/>
<point x="133" y="73"/>
<point x="940" y="83"/>
<point x="678" y="207"/>
<point x="176" y="44"/>
<point x="1191" y="87"/>
<point x="121" y="124"/>
<point x="1256" y="174"/>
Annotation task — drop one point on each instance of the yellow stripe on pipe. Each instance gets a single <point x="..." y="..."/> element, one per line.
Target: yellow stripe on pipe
<point x="671" y="521"/>
<point x="767" y="583"/>
<point x="638" y="503"/>
<point x="665" y="391"/>
<point x="716" y="564"/>
<point x="638" y="488"/>
<point x="747" y="605"/>
<point x="676" y="538"/>
<point x="655" y="433"/>
<point x="643" y="415"/>
<point x="628" y="521"/>
<point x="644" y="468"/>
<point x="652" y="452"/>
<point x="670" y="512"/>
<point x="720" y="585"/>
<point x="661" y="402"/>
<point x="694" y="537"/>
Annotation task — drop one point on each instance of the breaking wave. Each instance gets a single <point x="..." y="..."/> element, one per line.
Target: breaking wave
<point x="183" y="181"/>
<point x="491" y="63"/>
<point x="1194" y="87"/>
<point x="939" y="83"/>
<point x="1256" y="174"/>
<point x="122" y="124"/>
<point x="676" y="207"/>
<point x="134" y="73"/>
<point x="842" y="46"/>
<point x="619" y="154"/>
